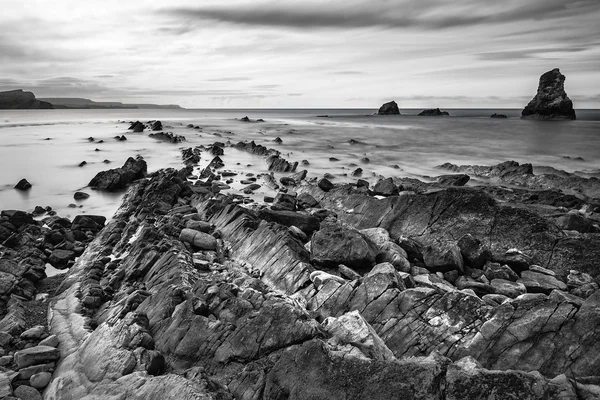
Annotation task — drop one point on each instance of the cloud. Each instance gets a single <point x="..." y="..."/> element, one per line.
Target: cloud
<point x="398" y="14"/>
<point x="347" y="73"/>
<point x="510" y="55"/>
<point x="230" y="79"/>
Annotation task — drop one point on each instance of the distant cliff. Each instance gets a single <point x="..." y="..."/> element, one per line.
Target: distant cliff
<point x="20" y="100"/>
<point x="76" y="102"/>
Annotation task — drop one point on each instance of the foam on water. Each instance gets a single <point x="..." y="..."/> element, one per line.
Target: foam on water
<point x="415" y="144"/>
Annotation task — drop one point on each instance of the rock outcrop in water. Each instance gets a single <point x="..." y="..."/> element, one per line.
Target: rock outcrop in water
<point x="19" y="99"/>
<point x="551" y="101"/>
<point x="120" y="178"/>
<point x="434" y="112"/>
<point x="390" y="108"/>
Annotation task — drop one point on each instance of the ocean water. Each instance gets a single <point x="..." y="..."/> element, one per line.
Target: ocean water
<point x="415" y="144"/>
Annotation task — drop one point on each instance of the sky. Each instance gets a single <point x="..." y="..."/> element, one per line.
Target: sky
<point x="301" y="54"/>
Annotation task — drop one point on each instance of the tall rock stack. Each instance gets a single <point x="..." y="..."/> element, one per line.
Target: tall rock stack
<point x="551" y="101"/>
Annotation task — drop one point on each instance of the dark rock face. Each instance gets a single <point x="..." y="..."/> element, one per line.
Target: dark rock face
<point x="334" y="244"/>
<point x="434" y="112"/>
<point x="551" y="101"/>
<point x="20" y="100"/>
<point x="23" y="184"/>
<point x="494" y="115"/>
<point x="390" y="108"/>
<point x="167" y="137"/>
<point x="144" y="314"/>
<point x="120" y="178"/>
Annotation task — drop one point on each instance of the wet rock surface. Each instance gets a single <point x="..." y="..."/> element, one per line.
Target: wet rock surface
<point x="416" y="290"/>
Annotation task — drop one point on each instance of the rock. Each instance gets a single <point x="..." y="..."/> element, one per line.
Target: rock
<point x="335" y="244"/>
<point x="325" y="184"/>
<point x="443" y="257"/>
<point x="169" y="137"/>
<point x="34" y="333"/>
<point x="21" y="100"/>
<point x="137" y="126"/>
<point x="575" y="222"/>
<point x="60" y="258"/>
<point x="120" y="178"/>
<point x="200" y="226"/>
<point x="541" y="270"/>
<point x="536" y="282"/>
<point x="576" y="279"/>
<point x="156" y="126"/>
<point x="475" y="254"/>
<point x="51" y="341"/>
<point x="494" y="115"/>
<point x="305" y="200"/>
<point x="496" y="271"/>
<point x="559" y="296"/>
<point x="434" y="112"/>
<point x="306" y="222"/>
<point x="390" y="108"/>
<point x="80" y="196"/>
<point x="24" y="392"/>
<point x="453" y="180"/>
<point x="551" y="101"/>
<point x="357" y="172"/>
<point x="36" y="355"/>
<point x="23" y="184"/>
<point x="508" y="288"/>
<point x="351" y="328"/>
<point x="200" y="240"/>
<point x="385" y="187"/>
<point x="284" y="202"/>
<point x="40" y="380"/>
<point x="348" y="272"/>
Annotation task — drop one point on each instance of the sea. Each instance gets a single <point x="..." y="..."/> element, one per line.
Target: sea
<point x="46" y="147"/>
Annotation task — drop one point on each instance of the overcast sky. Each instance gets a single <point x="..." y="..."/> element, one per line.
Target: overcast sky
<point x="301" y="53"/>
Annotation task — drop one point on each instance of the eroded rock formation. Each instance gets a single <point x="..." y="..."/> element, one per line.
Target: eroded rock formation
<point x="551" y="101"/>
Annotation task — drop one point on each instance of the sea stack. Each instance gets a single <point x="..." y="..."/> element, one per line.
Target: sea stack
<point x="551" y="101"/>
<point x="390" y="108"/>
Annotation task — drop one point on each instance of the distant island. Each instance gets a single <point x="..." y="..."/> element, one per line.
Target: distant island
<point x="76" y="102"/>
<point x="23" y="100"/>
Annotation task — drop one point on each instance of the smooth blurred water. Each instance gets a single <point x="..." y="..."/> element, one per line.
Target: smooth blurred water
<point x="415" y="144"/>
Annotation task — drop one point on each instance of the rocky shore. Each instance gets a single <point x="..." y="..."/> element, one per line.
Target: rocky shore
<point x="412" y="289"/>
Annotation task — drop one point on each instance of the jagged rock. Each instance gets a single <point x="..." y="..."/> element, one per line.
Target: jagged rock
<point x="168" y="137"/>
<point x="348" y="272"/>
<point x="453" y="180"/>
<point x="475" y="254"/>
<point x="494" y="115"/>
<point x="536" y="282"/>
<point x="385" y="187"/>
<point x="200" y="240"/>
<point x="284" y="202"/>
<point x="390" y="108"/>
<point x="19" y="99"/>
<point x="305" y="200"/>
<point x="508" y="288"/>
<point x="334" y="244"/>
<point x="497" y="271"/>
<point x="23" y="184"/>
<point x="443" y="257"/>
<point x="36" y="355"/>
<point x="434" y="112"/>
<point x="156" y="126"/>
<point x="119" y="178"/>
<point x="551" y="101"/>
<point x="51" y="341"/>
<point x="576" y="279"/>
<point x="276" y="163"/>
<point x="306" y="222"/>
<point x="575" y="222"/>
<point x="137" y="126"/>
<point x="351" y="328"/>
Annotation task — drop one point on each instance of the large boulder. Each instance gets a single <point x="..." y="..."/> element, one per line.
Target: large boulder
<point x="36" y="355"/>
<point x="433" y="112"/>
<point x="551" y="101"/>
<point x="335" y="244"/>
<point x="390" y="108"/>
<point x="119" y="178"/>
